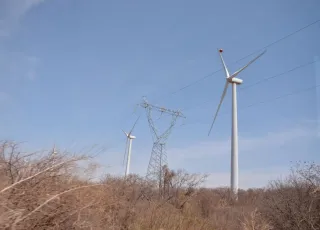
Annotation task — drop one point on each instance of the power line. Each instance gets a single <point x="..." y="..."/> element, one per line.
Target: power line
<point x="264" y="47"/>
<point x="282" y="96"/>
<point x="271" y="100"/>
<point x="263" y="80"/>
<point x="280" y="74"/>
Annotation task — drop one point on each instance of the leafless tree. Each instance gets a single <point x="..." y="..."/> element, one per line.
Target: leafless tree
<point x="294" y="203"/>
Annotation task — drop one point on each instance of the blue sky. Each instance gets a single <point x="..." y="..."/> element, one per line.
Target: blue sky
<point x="73" y="71"/>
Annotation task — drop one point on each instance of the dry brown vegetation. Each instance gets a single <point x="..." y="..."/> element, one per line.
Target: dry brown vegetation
<point x="42" y="191"/>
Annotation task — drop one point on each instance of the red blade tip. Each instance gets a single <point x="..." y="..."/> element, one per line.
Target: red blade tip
<point x="220" y="50"/>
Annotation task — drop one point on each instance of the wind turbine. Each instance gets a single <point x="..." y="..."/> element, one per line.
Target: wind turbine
<point x="128" y="148"/>
<point x="54" y="150"/>
<point x="231" y="79"/>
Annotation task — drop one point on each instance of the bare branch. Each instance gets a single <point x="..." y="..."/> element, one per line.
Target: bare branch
<point x="54" y="197"/>
<point x="30" y="177"/>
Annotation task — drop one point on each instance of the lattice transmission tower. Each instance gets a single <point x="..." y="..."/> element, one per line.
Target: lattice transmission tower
<point x="158" y="160"/>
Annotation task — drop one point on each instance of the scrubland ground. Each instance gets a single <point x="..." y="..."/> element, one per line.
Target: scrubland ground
<point x="43" y="191"/>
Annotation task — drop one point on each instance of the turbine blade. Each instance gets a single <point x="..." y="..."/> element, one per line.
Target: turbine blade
<point x="125" y="133"/>
<point x="253" y="60"/>
<point x="125" y="153"/>
<point x="224" y="64"/>
<point x="221" y="100"/>
<point x="134" y="125"/>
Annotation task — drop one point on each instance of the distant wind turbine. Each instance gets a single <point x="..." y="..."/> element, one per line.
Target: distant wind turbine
<point x="128" y="148"/>
<point x="234" y="133"/>
<point x="54" y="150"/>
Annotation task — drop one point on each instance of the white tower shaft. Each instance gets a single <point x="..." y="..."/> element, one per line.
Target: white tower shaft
<point x="128" y="148"/>
<point x="231" y="79"/>
<point x="234" y="143"/>
<point x="128" y="158"/>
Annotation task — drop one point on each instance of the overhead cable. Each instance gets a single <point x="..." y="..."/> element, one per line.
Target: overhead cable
<point x="260" y="81"/>
<point x="270" y="100"/>
<point x="264" y="47"/>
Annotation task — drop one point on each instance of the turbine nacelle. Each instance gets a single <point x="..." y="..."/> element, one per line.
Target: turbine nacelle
<point x="127" y="152"/>
<point x="228" y="76"/>
<point x="230" y="79"/>
<point x="128" y="135"/>
<point x="238" y="81"/>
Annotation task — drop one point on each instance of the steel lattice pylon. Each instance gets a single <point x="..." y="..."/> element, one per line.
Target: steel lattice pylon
<point x="158" y="159"/>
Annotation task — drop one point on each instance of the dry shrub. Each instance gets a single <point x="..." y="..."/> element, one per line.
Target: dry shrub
<point x="46" y="191"/>
<point x="255" y="221"/>
<point x="294" y="203"/>
<point x="38" y="189"/>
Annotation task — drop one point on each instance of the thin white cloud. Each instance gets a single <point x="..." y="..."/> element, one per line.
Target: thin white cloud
<point x="32" y="64"/>
<point x="3" y="31"/>
<point x="18" y="65"/>
<point x="271" y="142"/>
<point x="255" y="178"/>
<point x="246" y="144"/>
<point x="13" y="12"/>
<point x="4" y="98"/>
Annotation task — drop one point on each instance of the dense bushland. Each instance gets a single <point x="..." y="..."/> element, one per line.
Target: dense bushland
<point x="44" y="191"/>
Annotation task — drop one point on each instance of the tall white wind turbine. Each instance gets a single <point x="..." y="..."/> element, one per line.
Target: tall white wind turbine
<point x="231" y="79"/>
<point x="128" y="148"/>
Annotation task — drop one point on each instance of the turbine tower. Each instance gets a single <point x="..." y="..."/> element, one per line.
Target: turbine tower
<point x="231" y="79"/>
<point x="158" y="157"/>
<point x="127" y="153"/>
